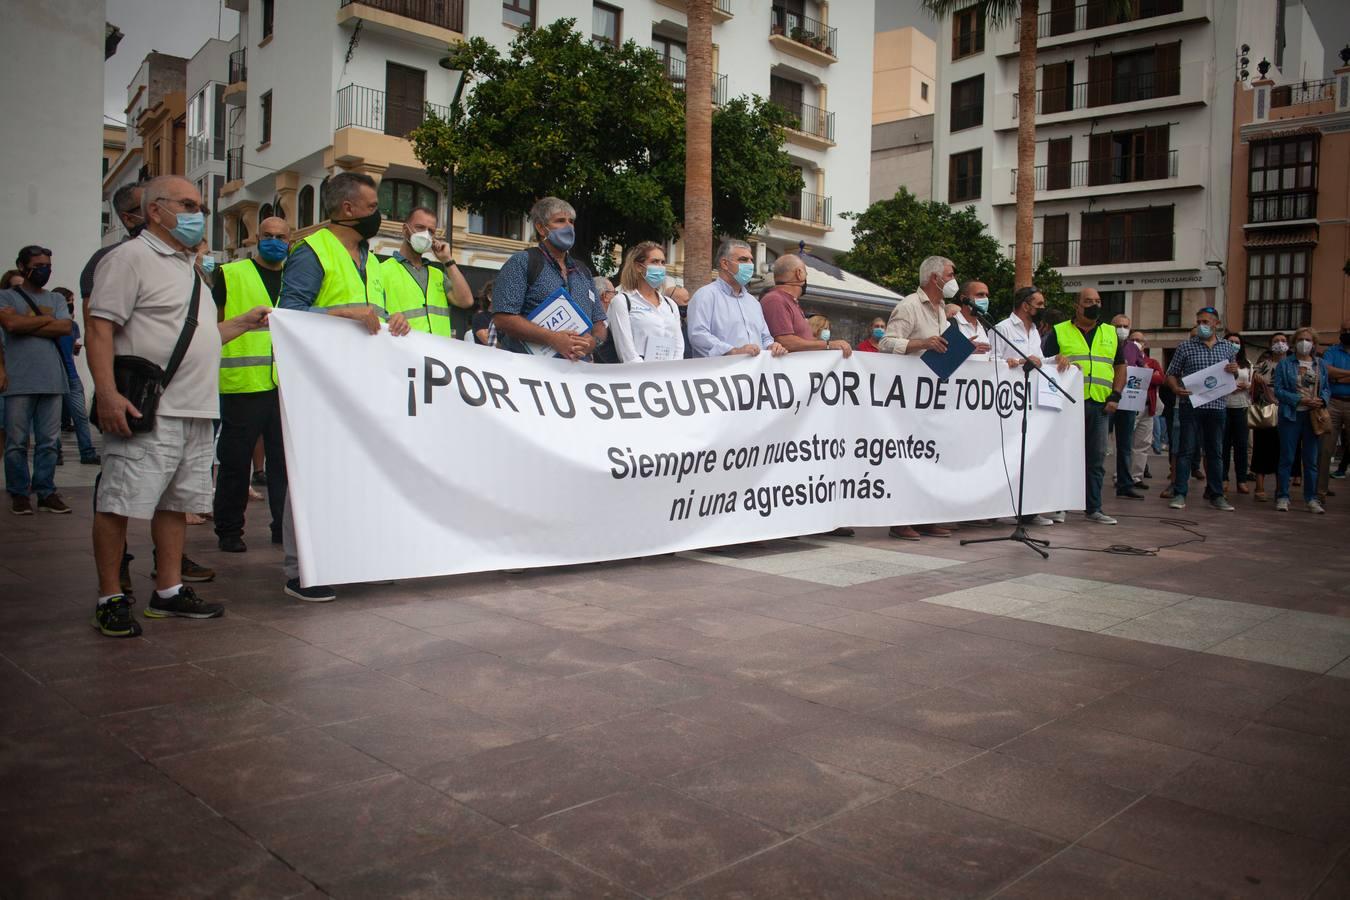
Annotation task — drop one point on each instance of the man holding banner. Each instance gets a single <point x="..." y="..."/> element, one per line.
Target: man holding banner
<point x="724" y="319"/>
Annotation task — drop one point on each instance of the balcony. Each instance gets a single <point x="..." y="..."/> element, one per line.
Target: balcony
<point x="432" y="23"/>
<point x="1276" y="316"/>
<point x="1115" y="171"/>
<point x="234" y="164"/>
<point x="803" y="37"/>
<point x="810" y="127"/>
<point x="1122" y="250"/>
<point x="1092" y="20"/>
<point x="236" y="88"/>
<point x="369" y="126"/>
<point x="1144" y="92"/>
<point x="1282" y="207"/>
<point x="721" y="8"/>
<point x="1305" y="92"/>
<point x="808" y="209"/>
<point x="675" y="74"/>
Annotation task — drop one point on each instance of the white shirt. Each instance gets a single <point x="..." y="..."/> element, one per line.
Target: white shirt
<point x="976" y="333"/>
<point x="722" y="318"/>
<point x="1025" y="339"/>
<point x="640" y="328"/>
<point x="914" y="320"/>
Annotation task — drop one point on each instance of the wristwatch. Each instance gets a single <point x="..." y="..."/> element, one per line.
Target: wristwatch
<point x="1113" y="397"/>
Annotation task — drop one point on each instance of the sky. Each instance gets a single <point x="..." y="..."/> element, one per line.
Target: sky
<point x="178" y="27"/>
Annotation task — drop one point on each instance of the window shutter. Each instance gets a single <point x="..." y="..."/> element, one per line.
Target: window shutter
<point x="1167" y="64"/>
<point x="1099" y="158"/>
<point x="1099" y="80"/>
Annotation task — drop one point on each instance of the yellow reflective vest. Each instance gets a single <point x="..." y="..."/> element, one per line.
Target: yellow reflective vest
<point x="343" y="286"/>
<point x="246" y="363"/>
<point x="1098" y="362"/>
<point x="430" y="311"/>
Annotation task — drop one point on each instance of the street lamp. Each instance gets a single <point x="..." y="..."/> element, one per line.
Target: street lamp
<point x="457" y="76"/>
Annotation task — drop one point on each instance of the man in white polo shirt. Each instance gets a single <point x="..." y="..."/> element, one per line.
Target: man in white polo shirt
<point x="142" y="299"/>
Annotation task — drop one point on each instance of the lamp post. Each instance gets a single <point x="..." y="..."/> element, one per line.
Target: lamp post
<point x="457" y="75"/>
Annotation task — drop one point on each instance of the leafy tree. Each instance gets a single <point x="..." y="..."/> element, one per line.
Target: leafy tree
<point x="892" y="237"/>
<point x="604" y="130"/>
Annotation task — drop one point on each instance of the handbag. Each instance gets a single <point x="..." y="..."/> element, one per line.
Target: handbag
<point x="1263" y="415"/>
<point x="143" y="382"/>
<point x="1320" y="419"/>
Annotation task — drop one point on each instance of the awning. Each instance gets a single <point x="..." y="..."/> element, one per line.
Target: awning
<point x="1300" y="237"/>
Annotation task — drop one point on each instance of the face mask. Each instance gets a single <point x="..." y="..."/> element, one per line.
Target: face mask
<point x="878" y="333"/>
<point x="1279" y="347"/>
<point x="208" y="264"/>
<point x="1139" y="344"/>
<point x="273" y="249"/>
<point x="981" y="305"/>
<point x="563" y="238"/>
<point x="38" y="275"/>
<point x="744" y="272"/>
<point x="420" y="241"/>
<point x="656" y="276"/>
<point x="190" y="229"/>
<point x="1092" y="312"/>
<point x="1122" y="332"/>
<point x="950" y="288"/>
<point x="825" y="335"/>
<point x="1204" y="332"/>
<point x="1304" y="348"/>
<point x="136" y="229"/>
<point x="1036" y="314"/>
<point x="366" y="226"/>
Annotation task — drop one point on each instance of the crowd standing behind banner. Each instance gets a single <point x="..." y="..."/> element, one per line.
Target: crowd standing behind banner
<point x="137" y="303"/>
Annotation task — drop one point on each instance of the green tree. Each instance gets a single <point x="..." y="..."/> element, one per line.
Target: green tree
<point x="604" y="130"/>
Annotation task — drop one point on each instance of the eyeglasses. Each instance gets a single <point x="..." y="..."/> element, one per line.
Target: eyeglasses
<point x="190" y="206"/>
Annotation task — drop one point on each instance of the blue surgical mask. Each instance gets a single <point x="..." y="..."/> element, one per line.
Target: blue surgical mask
<point x="656" y="276"/>
<point x="878" y="333"/>
<point x="744" y="272"/>
<point x="563" y="238"/>
<point x="208" y="264"/>
<point x="1204" y="332"/>
<point x="273" y="249"/>
<point x="825" y="335"/>
<point x="189" y="229"/>
<point x="981" y="305"/>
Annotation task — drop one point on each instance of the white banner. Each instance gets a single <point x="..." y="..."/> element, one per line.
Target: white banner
<point x="419" y="455"/>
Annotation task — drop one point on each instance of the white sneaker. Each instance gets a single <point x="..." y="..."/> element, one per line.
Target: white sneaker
<point x="1042" y="520"/>
<point x="1282" y="504"/>
<point x="1058" y="517"/>
<point x="1178" y="502"/>
<point x="1101" y="518"/>
<point x="1315" y="506"/>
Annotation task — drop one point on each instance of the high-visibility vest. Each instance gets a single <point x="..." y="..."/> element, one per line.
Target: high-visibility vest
<point x="247" y="365"/>
<point x="343" y="286"/>
<point x="430" y="311"/>
<point x="1098" y="362"/>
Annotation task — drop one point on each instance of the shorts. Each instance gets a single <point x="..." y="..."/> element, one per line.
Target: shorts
<point x="168" y="468"/>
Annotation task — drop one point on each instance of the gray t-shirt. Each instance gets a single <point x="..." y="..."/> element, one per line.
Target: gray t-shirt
<point x="143" y="287"/>
<point x="34" y="364"/>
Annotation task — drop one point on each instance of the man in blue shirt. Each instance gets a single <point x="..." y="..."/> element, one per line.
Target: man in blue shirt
<point x="1208" y="421"/>
<point x="515" y="297"/>
<point x="724" y="318"/>
<point x="1337" y="362"/>
<point x="74" y="405"/>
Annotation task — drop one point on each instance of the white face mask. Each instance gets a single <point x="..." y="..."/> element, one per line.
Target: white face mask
<point x="1122" y="332"/>
<point x="1304" y="348"/>
<point x="1279" y="347"/>
<point x="950" y="288"/>
<point x="420" y="241"/>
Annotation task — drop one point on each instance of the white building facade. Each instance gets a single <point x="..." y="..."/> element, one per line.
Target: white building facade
<point x="315" y="88"/>
<point x="1133" y="131"/>
<point x="204" y="163"/>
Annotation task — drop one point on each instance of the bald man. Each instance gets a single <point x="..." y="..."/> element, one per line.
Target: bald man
<point x="249" y="404"/>
<point x="783" y="312"/>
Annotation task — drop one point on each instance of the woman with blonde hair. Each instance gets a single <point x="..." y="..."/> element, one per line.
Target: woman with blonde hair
<point x="645" y="323"/>
<point x="820" y="328"/>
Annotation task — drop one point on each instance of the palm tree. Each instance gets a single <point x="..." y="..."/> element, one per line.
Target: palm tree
<point x="997" y="14"/>
<point x="698" y="227"/>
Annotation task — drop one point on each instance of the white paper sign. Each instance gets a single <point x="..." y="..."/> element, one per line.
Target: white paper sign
<point x="660" y="347"/>
<point x="1047" y="395"/>
<point x="558" y="314"/>
<point x="1208" y="384"/>
<point x="1135" y="395"/>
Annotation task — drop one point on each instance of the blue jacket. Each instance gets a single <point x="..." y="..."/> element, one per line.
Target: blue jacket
<point x="1286" y="386"/>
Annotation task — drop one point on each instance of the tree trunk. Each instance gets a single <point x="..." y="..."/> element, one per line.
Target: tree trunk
<point x="698" y="227"/>
<point x="1026" y="144"/>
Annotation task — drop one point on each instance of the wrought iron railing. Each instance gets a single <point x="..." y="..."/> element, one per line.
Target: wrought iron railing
<point x="363" y="107"/>
<point x="234" y="164"/>
<point x="1104" y="251"/>
<point x="808" y="119"/>
<point x="443" y="13"/>
<point x="804" y="30"/>
<point x="1113" y="170"/>
<point x="1303" y="92"/>
<point x="238" y="67"/>
<point x="1282" y="206"/>
<point x="1097" y="14"/>
<point x="1107" y="91"/>
<point x="1276" y="316"/>
<point x="808" y="207"/>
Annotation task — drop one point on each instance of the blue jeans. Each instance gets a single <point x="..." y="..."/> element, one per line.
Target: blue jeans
<point x="1124" y="425"/>
<point x="1203" y="432"/>
<point x="1095" y="422"/>
<point x="1161" y="430"/>
<point x="1290" y="432"/>
<point x="38" y="415"/>
<point x="73" y="406"/>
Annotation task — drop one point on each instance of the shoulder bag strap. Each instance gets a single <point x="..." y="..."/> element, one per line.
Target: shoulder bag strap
<point x="29" y="300"/>
<point x="189" y="327"/>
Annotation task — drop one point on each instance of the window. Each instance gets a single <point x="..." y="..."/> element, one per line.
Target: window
<point x="268" y="13"/>
<point x="1282" y="180"/>
<point x="266" y="119"/>
<point x="1126" y="236"/>
<point x="963" y="176"/>
<point x="218" y="122"/>
<point x="923" y="90"/>
<point x="1113" y="304"/>
<point x="1055" y="240"/>
<point x="672" y="54"/>
<point x="1057" y="92"/>
<point x="968" y="103"/>
<point x="1172" y="308"/>
<point x="305" y="206"/>
<point x="1277" y="290"/>
<point x="605" y="24"/>
<point x="398" y="198"/>
<point x="518" y="13"/>
<point x="217" y="220"/>
<point x="1138" y="75"/>
<point x="967" y="32"/>
<point x="495" y="223"/>
<point x="323" y="197"/>
<point x="406" y="91"/>
<point x="265" y="212"/>
<point x="1059" y="164"/>
<point x="788" y="94"/>
<point x="1119" y="157"/>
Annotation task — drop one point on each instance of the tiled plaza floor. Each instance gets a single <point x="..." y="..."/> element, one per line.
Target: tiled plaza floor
<point x="808" y="718"/>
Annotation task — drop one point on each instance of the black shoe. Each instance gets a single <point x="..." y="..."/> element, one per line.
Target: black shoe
<point x="276" y="538"/>
<point x="185" y="604"/>
<point x="1141" y="485"/>
<point x="315" y="593"/>
<point x="1129" y="495"/>
<point x="191" y="571"/>
<point x="113" y="618"/>
<point x="232" y="544"/>
<point x="1147" y="472"/>
<point x="843" y="531"/>
<point x="124" y="574"/>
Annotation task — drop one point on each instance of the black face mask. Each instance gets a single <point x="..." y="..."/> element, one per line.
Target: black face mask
<point x="1345" y="338"/>
<point x="1038" y="314"/>
<point x="366" y="226"/>
<point x="39" y="275"/>
<point x="1092" y="312"/>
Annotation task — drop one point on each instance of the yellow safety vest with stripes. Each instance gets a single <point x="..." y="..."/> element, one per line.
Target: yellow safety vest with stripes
<point x="1098" y="362"/>
<point x="343" y="286"/>
<point x="247" y="365"/>
<point x="430" y="311"/>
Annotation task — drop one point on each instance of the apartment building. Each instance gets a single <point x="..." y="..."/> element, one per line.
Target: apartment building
<point x="205" y="142"/>
<point x="314" y="88"/>
<point x="1290" y="228"/>
<point x="1133" y="156"/>
<point x="904" y="74"/>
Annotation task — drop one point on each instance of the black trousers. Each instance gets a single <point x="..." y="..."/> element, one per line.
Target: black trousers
<point x="243" y="419"/>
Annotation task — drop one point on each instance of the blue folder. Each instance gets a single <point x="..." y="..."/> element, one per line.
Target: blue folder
<point x="958" y="348"/>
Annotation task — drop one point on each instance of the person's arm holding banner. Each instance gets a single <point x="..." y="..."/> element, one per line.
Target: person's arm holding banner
<point x="508" y="302"/>
<point x="304" y="280"/>
<point x="253" y="320"/>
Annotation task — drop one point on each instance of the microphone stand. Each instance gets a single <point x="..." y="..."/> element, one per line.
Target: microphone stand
<point x="1019" y="534"/>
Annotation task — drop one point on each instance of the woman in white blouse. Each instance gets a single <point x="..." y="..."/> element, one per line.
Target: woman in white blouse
<point x="645" y="323"/>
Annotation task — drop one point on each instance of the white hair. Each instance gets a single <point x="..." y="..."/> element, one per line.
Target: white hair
<point x="546" y="208"/>
<point x="931" y="266"/>
<point x="729" y="246"/>
<point x="153" y="190"/>
<point x="603" y="284"/>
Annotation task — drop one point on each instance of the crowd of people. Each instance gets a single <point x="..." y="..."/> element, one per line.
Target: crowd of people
<point x="185" y="407"/>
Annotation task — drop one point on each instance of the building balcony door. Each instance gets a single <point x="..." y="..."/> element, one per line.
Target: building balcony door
<point x="406" y="96"/>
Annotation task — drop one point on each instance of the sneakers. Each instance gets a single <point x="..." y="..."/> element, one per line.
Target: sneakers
<point x="232" y="544"/>
<point x="315" y="593"/>
<point x="1058" y="518"/>
<point x="191" y="571"/>
<point x="1042" y="520"/>
<point x="1338" y="475"/>
<point x="113" y="618"/>
<point x="1178" y="502"/>
<point x="1221" y="502"/>
<point x="1316" y="507"/>
<point x="53" y="503"/>
<point x="1129" y="494"/>
<point x="1282" y="504"/>
<point x="184" y="604"/>
<point x="20" y="505"/>
<point x="1101" y="518"/>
